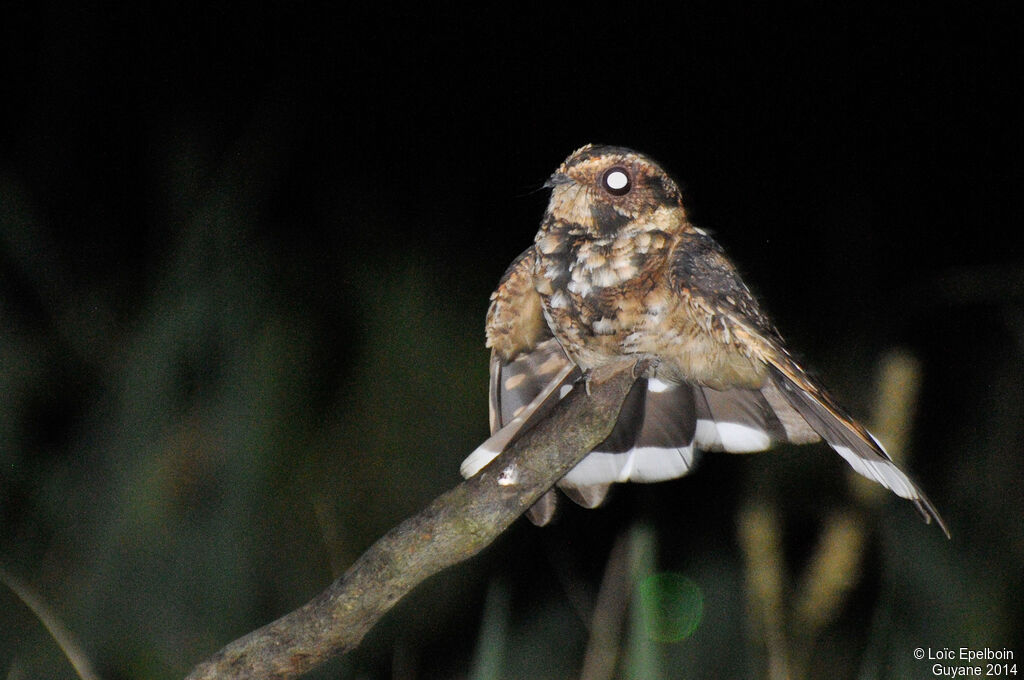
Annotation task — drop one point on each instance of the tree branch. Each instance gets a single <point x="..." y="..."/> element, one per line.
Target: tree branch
<point x="454" y="527"/>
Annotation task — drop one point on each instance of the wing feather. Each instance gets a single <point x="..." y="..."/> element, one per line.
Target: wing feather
<point x="789" y="406"/>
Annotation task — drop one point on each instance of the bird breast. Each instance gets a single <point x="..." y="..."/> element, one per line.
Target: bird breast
<point x="605" y="298"/>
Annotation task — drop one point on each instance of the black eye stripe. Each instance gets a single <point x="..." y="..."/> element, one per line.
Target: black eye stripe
<point x="616" y="181"/>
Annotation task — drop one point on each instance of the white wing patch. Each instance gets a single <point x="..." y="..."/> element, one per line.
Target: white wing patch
<point x="881" y="471"/>
<point x="481" y="456"/>
<point x="731" y="437"/>
<point x="640" y="464"/>
<point x="653" y="464"/>
<point x="659" y="386"/>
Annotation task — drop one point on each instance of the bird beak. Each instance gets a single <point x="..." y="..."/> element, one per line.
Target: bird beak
<point x="556" y="179"/>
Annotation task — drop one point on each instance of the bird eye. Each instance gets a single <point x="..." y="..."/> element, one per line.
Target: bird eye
<point x="616" y="181"/>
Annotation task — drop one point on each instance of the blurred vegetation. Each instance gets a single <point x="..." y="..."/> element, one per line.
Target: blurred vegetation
<point x="243" y="271"/>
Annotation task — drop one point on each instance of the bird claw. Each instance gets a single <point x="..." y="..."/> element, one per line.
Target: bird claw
<point x="646" y="366"/>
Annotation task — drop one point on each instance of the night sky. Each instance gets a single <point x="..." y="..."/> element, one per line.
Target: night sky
<point x="836" y="153"/>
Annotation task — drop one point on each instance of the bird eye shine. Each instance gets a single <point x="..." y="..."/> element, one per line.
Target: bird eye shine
<point x="616" y="181"/>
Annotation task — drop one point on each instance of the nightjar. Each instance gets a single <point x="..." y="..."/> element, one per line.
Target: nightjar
<point x="617" y="270"/>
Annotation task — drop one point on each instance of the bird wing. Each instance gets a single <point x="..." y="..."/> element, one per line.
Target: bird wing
<point x="529" y="370"/>
<point x="846" y="436"/>
<point x="790" y="405"/>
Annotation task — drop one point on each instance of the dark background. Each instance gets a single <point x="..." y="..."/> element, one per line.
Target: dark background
<point x="245" y="256"/>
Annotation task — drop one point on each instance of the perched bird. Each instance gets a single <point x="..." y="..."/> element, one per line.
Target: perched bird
<point x="618" y="270"/>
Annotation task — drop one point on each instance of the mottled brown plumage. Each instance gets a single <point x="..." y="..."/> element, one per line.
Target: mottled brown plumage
<point x="616" y="270"/>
